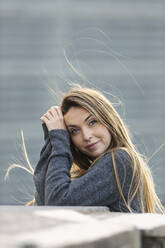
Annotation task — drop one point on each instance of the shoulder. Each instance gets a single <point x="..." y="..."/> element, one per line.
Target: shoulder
<point x="122" y="156"/>
<point x="122" y="164"/>
<point x="118" y="158"/>
<point x="119" y="155"/>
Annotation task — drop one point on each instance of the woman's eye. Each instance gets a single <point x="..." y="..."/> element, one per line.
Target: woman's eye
<point x="73" y="131"/>
<point x="92" y="123"/>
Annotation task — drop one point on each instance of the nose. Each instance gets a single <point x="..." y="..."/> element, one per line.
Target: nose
<point x="87" y="134"/>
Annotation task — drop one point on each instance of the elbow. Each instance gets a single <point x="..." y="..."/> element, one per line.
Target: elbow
<point x="51" y="200"/>
<point x="55" y="199"/>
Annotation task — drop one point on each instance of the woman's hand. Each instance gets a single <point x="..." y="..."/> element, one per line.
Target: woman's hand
<point x="53" y="118"/>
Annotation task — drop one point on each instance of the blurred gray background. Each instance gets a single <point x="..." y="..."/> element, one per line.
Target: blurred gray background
<point x="116" y="46"/>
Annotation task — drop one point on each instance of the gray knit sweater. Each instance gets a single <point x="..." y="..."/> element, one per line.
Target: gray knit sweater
<point x="97" y="187"/>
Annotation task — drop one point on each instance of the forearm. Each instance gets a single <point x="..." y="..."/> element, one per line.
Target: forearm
<point x="93" y="189"/>
<point x="52" y="120"/>
<point x="40" y="172"/>
<point x="46" y="137"/>
<point x="58" y="179"/>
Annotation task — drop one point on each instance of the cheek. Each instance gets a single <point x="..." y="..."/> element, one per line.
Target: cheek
<point x="76" y="141"/>
<point x="107" y="136"/>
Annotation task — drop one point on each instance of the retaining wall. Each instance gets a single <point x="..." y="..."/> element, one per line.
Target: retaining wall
<point x="85" y="227"/>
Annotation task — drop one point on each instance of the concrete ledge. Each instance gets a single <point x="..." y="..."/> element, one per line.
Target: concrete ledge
<point x="84" y="227"/>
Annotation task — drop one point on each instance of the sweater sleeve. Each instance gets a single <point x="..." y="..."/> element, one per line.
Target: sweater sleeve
<point x="46" y="137"/>
<point x="41" y="168"/>
<point x="97" y="187"/>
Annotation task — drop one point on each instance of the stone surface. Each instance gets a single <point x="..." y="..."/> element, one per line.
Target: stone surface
<point x="89" y="227"/>
<point x="63" y="227"/>
<point x="151" y="224"/>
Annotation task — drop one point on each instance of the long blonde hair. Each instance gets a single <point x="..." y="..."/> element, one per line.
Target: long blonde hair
<point x="98" y="105"/>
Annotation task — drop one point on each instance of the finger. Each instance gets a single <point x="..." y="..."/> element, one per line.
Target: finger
<point x="48" y="116"/>
<point x="58" y="111"/>
<point x="43" y="119"/>
<point x="49" y="111"/>
<point x="44" y="114"/>
<point x="53" y="112"/>
<point x="54" y="107"/>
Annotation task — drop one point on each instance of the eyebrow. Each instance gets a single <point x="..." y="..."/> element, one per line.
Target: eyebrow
<point x="83" y="121"/>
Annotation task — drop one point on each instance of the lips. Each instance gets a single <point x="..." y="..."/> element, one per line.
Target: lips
<point x="91" y="146"/>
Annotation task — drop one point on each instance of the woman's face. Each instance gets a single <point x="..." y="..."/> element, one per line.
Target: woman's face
<point x="88" y="135"/>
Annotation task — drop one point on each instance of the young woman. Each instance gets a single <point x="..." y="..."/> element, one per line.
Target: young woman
<point x="89" y="159"/>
